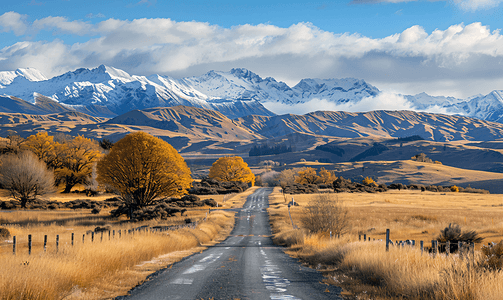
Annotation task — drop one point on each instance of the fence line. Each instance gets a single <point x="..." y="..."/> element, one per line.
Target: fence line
<point x="111" y="235"/>
<point x="462" y="247"/>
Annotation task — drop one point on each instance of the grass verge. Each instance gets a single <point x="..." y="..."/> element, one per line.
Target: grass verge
<point x="366" y="271"/>
<point x="105" y="268"/>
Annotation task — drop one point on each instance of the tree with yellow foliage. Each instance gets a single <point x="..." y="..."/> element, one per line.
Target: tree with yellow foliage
<point x="231" y="168"/>
<point x="307" y="176"/>
<point x="42" y="145"/>
<point x="141" y="168"/>
<point x="74" y="161"/>
<point x="326" y="177"/>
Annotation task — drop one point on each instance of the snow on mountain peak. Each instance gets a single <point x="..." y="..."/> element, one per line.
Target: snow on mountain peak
<point x="30" y="74"/>
<point x="235" y="93"/>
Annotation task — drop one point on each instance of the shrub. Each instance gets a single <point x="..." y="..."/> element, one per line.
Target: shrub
<point x="4" y="233"/>
<point x="453" y="234"/>
<point x="369" y="181"/>
<point x="454" y="189"/>
<point x="325" y="213"/>
<point x="493" y="256"/>
<point x="25" y="176"/>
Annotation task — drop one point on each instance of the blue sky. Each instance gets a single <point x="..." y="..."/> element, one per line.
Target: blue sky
<point x="449" y="48"/>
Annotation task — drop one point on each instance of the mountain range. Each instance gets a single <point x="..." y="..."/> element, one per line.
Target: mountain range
<point x="108" y="92"/>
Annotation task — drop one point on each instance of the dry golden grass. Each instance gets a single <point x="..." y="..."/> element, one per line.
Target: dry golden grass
<point x="91" y="265"/>
<point x="366" y="271"/>
<point x="108" y="267"/>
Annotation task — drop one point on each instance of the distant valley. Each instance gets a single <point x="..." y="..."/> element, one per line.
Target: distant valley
<point x="202" y="135"/>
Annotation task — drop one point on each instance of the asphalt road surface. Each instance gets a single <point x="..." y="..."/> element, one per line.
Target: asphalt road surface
<point x="247" y="265"/>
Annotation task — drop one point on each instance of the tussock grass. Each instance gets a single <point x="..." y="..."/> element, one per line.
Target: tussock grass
<point x="107" y="267"/>
<point x="74" y="270"/>
<point x="366" y="271"/>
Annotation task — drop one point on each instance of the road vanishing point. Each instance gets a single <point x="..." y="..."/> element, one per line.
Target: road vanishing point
<point x="247" y="265"/>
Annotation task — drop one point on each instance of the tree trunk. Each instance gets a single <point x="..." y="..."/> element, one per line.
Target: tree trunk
<point x="68" y="188"/>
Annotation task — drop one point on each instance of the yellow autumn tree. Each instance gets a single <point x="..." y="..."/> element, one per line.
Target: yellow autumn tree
<point x="42" y="145"/>
<point x="307" y="176"/>
<point x="141" y="168"/>
<point x="74" y="161"/>
<point x="326" y="177"/>
<point x="231" y="168"/>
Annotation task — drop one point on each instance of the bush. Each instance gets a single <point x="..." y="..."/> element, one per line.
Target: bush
<point x="324" y="214"/>
<point x="493" y="256"/>
<point x="369" y="181"/>
<point x="25" y="177"/>
<point x="453" y="234"/>
<point x="4" y="233"/>
<point x="454" y="189"/>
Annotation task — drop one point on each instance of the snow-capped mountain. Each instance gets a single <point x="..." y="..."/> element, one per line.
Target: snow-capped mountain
<point x="243" y="84"/>
<point x="107" y="91"/>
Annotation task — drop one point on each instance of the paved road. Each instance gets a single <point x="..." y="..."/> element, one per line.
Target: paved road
<point x="247" y="265"/>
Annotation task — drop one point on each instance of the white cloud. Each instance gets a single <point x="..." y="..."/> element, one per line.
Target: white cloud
<point x="12" y="21"/>
<point x="383" y="101"/>
<point x="62" y="25"/>
<point x="467" y="5"/>
<point x="473" y="5"/>
<point x="460" y="54"/>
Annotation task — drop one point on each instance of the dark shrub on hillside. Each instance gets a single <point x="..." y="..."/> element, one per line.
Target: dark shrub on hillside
<point x="376" y="149"/>
<point x="208" y="186"/>
<point x="331" y="149"/>
<point x="342" y="185"/>
<point x="298" y="188"/>
<point x="453" y="234"/>
<point x="266" y="150"/>
<point x="421" y="157"/>
<point x="397" y="186"/>
<point x="4" y="233"/>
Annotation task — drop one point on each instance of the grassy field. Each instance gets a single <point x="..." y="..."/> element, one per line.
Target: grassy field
<point x="366" y="271"/>
<point x="107" y="267"/>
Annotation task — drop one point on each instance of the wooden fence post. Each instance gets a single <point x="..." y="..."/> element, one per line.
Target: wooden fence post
<point x="460" y="249"/>
<point x="92" y="236"/>
<point x="387" y="239"/>
<point x="83" y="236"/>
<point x="29" y="244"/>
<point x="421" y="243"/>
<point x="434" y="247"/>
<point x="447" y="247"/>
<point x="109" y="235"/>
<point x="57" y="243"/>
<point x="72" y="238"/>
<point x="14" y="245"/>
<point x="120" y="233"/>
<point x="359" y="237"/>
<point x="472" y="251"/>
<point x="113" y="234"/>
<point x="45" y="243"/>
<point x="365" y="237"/>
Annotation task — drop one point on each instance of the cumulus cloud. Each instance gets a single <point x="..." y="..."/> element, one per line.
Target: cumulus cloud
<point x="12" y="21"/>
<point x="412" y="58"/>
